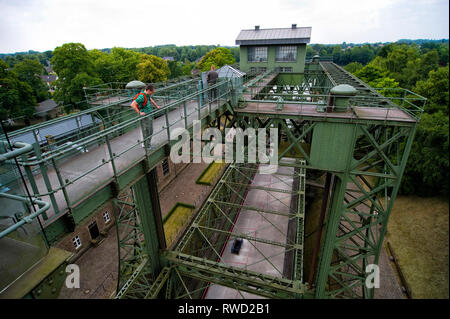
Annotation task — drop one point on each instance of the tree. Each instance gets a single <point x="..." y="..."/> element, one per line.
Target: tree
<point x="29" y="71"/>
<point x="75" y="70"/>
<point x="104" y="65"/>
<point x="125" y="64"/>
<point x="217" y="57"/>
<point x="352" y="67"/>
<point x="371" y="73"/>
<point x="152" y="69"/>
<point x="176" y="69"/>
<point x="16" y="96"/>
<point x="426" y="173"/>
<point x="436" y="90"/>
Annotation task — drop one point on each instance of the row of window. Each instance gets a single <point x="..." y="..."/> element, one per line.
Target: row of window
<point x="77" y="241"/>
<point x="106" y="217"/>
<point x="285" y="53"/>
<point x="279" y="69"/>
<point x="260" y="70"/>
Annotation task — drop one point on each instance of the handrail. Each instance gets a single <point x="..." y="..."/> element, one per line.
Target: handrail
<point x="22" y="148"/>
<point x="43" y="206"/>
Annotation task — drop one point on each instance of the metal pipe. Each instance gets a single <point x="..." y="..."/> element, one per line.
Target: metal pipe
<point x="26" y="219"/>
<point x="22" y="148"/>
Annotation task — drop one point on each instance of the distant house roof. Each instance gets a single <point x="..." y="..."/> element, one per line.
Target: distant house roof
<point x="59" y="129"/>
<point x="168" y="58"/>
<point x="46" y="106"/>
<point x="49" y="78"/>
<point x="274" y="36"/>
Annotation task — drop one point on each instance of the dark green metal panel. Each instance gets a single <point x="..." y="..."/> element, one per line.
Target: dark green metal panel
<point x="150" y="220"/>
<point x="332" y="145"/>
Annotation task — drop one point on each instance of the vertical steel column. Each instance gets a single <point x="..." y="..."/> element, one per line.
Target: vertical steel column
<point x="44" y="173"/>
<point x="185" y="115"/>
<point x="336" y="210"/>
<point x="401" y="170"/>
<point x="325" y="196"/>
<point x="200" y="86"/>
<point x="147" y="203"/>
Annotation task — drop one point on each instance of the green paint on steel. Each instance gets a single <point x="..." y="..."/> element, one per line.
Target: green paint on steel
<point x="331" y="146"/>
<point x="298" y="66"/>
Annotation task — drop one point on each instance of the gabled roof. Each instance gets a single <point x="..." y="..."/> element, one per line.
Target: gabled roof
<point x="274" y="36"/>
<point x="228" y="71"/>
<point x="58" y="129"/>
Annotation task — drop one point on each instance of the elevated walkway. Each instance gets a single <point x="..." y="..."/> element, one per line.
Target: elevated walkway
<point x="80" y="165"/>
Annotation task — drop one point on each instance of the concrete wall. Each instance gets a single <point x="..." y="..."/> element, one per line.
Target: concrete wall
<point x="82" y="230"/>
<point x="174" y="170"/>
<point x="297" y="67"/>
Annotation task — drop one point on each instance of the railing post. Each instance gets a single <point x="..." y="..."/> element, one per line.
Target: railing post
<point x="168" y="126"/>
<point x="47" y="183"/>
<point x="199" y="98"/>
<point x="61" y="183"/>
<point x="111" y="156"/>
<point x="185" y="115"/>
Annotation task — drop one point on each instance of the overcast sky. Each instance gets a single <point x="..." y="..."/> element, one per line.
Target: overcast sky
<point x="42" y="25"/>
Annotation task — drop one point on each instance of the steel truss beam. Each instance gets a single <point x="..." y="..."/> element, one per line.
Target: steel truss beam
<point x="233" y="277"/>
<point x="362" y="203"/>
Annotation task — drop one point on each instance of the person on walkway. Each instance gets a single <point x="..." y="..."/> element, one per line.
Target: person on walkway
<point x="211" y="78"/>
<point x="141" y="105"/>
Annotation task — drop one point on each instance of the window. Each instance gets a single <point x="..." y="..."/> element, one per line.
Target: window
<point x="284" y="70"/>
<point x="76" y="242"/>
<point x="286" y="53"/>
<point x="165" y="167"/>
<point x="106" y="217"/>
<point x="262" y="70"/>
<point x="253" y="70"/>
<point x="257" y="54"/>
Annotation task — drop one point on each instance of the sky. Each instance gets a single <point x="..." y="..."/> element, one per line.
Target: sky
<point x="42" y="25"/>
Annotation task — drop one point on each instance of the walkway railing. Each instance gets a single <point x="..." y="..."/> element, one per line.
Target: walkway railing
<point x="73" y="166"/>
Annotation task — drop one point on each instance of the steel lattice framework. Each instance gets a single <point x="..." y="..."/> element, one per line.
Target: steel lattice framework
<point x="363" y="150"/>
<point x="366" y="157"/>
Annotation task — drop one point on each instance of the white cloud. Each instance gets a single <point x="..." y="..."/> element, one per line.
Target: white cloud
<point x="44" y="24"/>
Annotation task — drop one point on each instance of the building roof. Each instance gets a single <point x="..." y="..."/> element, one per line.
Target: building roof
<point x="49" y="78"/>
<point x="297" y="35"/>
<point x="46" y="106"/>
<point x="58" y="129"/>
<point x="228" y="71"/>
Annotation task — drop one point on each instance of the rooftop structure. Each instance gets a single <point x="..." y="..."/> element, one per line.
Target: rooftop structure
<point x="257" y="36"/>
<point x="283" y="49"/>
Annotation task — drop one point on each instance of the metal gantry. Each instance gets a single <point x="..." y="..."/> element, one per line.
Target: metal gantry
<point x="363" y="149"/>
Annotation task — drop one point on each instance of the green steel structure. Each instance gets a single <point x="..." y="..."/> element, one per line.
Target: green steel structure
<point x="360" y="140"/>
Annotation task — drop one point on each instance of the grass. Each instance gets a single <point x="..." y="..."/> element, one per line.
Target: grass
<point x="175" y="221"/>
<point x="418" y="232"/>
<point x="208" y="176"/>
